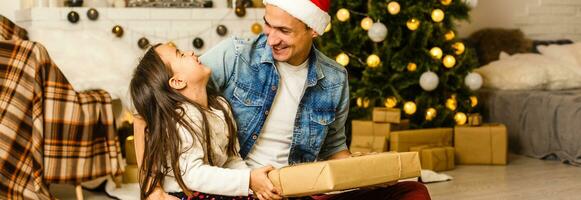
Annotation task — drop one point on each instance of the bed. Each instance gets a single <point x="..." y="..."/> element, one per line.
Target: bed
<point x="541" y="123"/>
<point x="538" y="97"/>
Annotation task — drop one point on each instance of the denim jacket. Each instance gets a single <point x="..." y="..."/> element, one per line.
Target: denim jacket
<point x="244" y="71"/>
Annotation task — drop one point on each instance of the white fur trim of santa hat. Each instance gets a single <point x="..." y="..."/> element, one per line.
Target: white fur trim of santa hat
<point x="306" y="11"/>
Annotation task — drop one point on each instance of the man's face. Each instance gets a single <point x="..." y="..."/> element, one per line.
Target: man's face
<point x="290" y="39"/>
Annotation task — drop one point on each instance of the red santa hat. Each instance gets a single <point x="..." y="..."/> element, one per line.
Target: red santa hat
<point x="311" y="12"/>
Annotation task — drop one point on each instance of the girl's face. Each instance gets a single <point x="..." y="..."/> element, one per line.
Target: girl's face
<point x="186" y="67"/>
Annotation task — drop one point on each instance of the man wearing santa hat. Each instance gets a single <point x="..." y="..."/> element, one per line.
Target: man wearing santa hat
<point x="290" y="101"/>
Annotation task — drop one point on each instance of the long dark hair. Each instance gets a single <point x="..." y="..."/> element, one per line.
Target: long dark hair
<point x="161" y="107"/>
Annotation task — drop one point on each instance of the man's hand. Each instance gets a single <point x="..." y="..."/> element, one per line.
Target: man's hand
<point x="158" y="193"/>
<point x="261" y="185"/>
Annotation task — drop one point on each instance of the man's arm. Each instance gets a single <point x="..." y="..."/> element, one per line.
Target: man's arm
<point x="221" y="59"/>
<point x="340" y="155"/>
<point x="335" y="146"/>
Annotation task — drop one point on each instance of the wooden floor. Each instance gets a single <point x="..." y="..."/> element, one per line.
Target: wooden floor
<point x="524" y="178"/>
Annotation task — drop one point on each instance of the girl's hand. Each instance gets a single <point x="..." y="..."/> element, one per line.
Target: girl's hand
<point x="261" y="185"/>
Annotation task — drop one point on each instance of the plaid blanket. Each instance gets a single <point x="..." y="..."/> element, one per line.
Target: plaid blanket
<point x="49" y="133"/>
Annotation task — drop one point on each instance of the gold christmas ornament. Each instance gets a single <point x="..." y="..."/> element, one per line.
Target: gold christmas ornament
<point x="459" y="48"/>
<point x="328" y="28"/>
<point x="473" y="101"/>
<point x="460" y="118"/>
<point x="446" y="2"/>
<point x="412" y="67"/>
<point x="342" y="59"/>
<point x="172" y="44"/>
<point x="343" y="14"/>
<point x="431" y="114"/>
<point x="450" y="35"/>
<point x="362" y="102"/>
<point x="390" y="102"/>
<point x="413" y="24"/>
<point x="256" y="28"/>
<point x="437" y="15"/>
<point x="373" y="61"/>
<point x="451" y="104"/>
<point x="449" y="61"/>
<point x="409" y="108"/>
<point x="436" y="53"/>
<point x="117" y="31"/>
<point x="393" y="7"/>
<point x="366" y="23"/>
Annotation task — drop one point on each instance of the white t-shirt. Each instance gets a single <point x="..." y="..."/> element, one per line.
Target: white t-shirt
<point x="273" y="144"/>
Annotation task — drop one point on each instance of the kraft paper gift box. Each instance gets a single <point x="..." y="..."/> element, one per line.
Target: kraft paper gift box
<point x="401" y="141"/>
<point x="368" y="136"/>
<point x="386" y="115"/>
<point x="366" y="143"/>
<point x="342" y="174"/>
<point x="360" y="127"/>
<point x="486" y="144"/>
<point x="435" y="158"/>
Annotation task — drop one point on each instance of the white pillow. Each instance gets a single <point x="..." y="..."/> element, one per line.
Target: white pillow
<point x="566" y="53"/>
<point x="530" y="71"/>
<point x="517" y="72"/>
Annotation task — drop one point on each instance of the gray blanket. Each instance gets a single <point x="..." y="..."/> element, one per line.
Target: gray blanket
<point x="541" y="124"/>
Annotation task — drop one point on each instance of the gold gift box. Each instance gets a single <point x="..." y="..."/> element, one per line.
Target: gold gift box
<point x="386" y="115"/>
<point x="342" y="174"/>
<point x="401" y="141"/>
<point x="435" y="158"/>
<point x="486" y="144"/>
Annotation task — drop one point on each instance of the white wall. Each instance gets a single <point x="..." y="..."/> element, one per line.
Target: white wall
<point x="538" y="19"/>
<point x="8" y="8"/>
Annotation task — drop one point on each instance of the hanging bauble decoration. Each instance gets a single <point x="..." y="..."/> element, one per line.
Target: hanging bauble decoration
<point x="240" y="11"/>
<point x="393" y="7"/>
<point x="473" y="101"/>
<point x="362" y="102"/>
<point x="373" y="61"/>
<point x="431" y="114"/>
<point x="343" y="14"/>
<point x="377" y="32"/>
<point x="429" y="81"/>
<point x="328" y="28"/>
<point x="412" y="67"/>
<point x="221" y="30"/>
<point x="92" y="14"/>
<point x="117" y="30"/>
<point x="172" y="44"/>
<point x="449" y="61"/>
<point x="460" y="118"/>
<point x="471" y="3"/>
<point x="366" y="23"/>
<point x="413" y="24"/>
<point x="390" y="102"/>
<point x="73" y="3"/>
<point x="143" y="43"/>
<point x="342" y="59"/>
<point x="473" y="81"/>
<point x="459" y="48"/>
<point x="256" y="28"/>
<point x="409" y="107"/>
<point x="73" y="17"/>
<point x="446" y="2"/>
<point x="437" y="15"/>
<point x="198" y="43"/>
<point x="450" y="35"/>
<point x="451" y="103"/>
<point x="436" y="53"/>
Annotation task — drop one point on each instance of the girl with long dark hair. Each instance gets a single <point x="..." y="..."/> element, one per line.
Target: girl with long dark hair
<point x="185" y="133"/>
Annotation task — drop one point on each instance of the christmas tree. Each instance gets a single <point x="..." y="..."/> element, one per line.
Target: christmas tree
<point x="405" y="54"/>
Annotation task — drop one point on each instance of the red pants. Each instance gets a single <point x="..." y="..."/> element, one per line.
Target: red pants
<point x="409" y="190"/>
